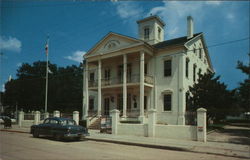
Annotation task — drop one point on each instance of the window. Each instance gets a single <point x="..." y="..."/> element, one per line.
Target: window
<point x="91" y="104"/>
<point x="46" y="121"/>
<point x="120" y="101"/>
<point x="187" y="99"/>
<point x="53" y="121"/>
<point x="145" y="68"/>
<point x="145" y="102"/>
<point x="194" y="72"/>
<point x="135" y="103"/>
<point x="187" y="65"/>
<point x="167" y="68"/>
<point x="107" y="74"/>
<point x="159" y="33"/>
<point x="199" y="73"/>
<point x="200" y="53"/>
<point x="146" y="33"/>
<point x="92" y="76"/>
<point x="167" y="102"/>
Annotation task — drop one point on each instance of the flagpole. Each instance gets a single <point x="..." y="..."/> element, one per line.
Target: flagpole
<point x="47" y="65"/>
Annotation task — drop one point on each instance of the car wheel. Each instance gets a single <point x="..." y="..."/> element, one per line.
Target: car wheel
<point x="35" y="134"/>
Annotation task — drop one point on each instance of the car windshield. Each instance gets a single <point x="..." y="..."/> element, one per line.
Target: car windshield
<point x="68" y="122"/>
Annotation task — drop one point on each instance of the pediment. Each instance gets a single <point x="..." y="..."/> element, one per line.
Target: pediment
<point x="110" y="43"/>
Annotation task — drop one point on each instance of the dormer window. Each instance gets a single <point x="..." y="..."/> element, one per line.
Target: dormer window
<point x="146" y="33"/>
<point x="159" y="33"/>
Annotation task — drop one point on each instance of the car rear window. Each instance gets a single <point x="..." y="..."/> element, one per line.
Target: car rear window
<point x="68" y="122"/>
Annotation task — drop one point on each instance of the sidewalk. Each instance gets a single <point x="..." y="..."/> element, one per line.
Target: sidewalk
<point x="217" y="148"/>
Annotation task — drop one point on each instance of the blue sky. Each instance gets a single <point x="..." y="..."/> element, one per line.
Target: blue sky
<point x="75" y="26"/>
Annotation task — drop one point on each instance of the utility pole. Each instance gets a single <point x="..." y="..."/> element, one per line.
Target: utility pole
<point x="249" y="65"/>
<point x="47" y="65"/>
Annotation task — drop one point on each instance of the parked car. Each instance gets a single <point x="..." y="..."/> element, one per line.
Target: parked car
<point x="59" y="128"/>
<point x="6" y="117"/>
<point x="6" y="121"/>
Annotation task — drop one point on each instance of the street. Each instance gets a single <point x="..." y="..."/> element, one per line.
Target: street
<point x="23" y="146"/>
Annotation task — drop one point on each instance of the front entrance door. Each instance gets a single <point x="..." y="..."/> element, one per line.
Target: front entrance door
<point x="106" y="106"/>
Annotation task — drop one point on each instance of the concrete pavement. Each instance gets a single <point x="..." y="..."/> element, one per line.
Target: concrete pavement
<point x="216" y="148"/>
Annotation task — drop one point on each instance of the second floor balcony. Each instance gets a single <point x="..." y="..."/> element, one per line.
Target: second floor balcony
<point x="133" y="79"/>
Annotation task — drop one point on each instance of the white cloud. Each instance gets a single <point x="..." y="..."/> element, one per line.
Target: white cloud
<point x="10" y="44"/>
<point x="215" y="3"/>
<point x="230" y="17"/>
<point x="19" y="64"/>
<point x="77" y="56"/>
<point x="128" y="9"/>
<point x="176" y="13"/>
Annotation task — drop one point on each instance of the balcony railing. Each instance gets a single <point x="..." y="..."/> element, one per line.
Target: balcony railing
<point x="119" y="80"/>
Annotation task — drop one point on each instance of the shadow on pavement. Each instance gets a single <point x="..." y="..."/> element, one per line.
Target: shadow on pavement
<point x="61" y="140"/>
<point x="234" y="133"/>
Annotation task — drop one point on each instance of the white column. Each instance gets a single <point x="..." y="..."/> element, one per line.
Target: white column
<point x="37" y="117"/>
<point x="142" y="87"/>
<point x="115" y="120"/>
<point x="99" y="88"/>
<point x="20" y="118"/>
<point x="86" y="89"/>
<point x="76" y="117"/>
<point x="151" y="122"/>
<point x="124" y="113"/>
<point x="56" y="114"/>
<point x="181" y="91"/>
<point x="201" y="125"/>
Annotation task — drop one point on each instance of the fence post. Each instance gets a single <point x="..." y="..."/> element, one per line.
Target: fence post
<point x="76" y="117"/>
<point x="115" y="120"/>
<point x="20" y="118"/>
<point x="46" y="115"/>
<point x="151" y="122"/>
<point x="201" y="124"/>
<point x="37" y="117"/>
<point x="56" y="114"/>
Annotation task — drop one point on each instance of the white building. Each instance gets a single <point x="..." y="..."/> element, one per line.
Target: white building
<point x="134" y="75"/>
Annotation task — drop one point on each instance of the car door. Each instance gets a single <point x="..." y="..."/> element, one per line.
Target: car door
<point x="54" y="126"/>
<point x="44" y="127"/>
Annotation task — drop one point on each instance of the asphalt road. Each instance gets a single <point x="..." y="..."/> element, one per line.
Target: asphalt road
<point x="21" y="146"/>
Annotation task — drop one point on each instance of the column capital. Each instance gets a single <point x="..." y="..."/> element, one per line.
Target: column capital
<point x="142" y="52"/>
<point x="201" y="110"/>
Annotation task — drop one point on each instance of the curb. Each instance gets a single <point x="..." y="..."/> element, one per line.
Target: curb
<point x="162" y="147"/>
<point x="6" y="130"/>
<point x="139" y="144"/>
<point x="144" y="145"/>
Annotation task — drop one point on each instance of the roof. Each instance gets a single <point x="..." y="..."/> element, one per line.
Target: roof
<point x="152" y="17"/>
<point x="176" y="41"/>
<point x="110" y="33"/>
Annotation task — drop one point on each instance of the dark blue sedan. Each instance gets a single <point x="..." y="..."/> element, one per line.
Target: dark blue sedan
<point x="59" y="128"/>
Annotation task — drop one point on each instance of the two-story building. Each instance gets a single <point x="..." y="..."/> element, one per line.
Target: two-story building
<point x="136" y="74"/>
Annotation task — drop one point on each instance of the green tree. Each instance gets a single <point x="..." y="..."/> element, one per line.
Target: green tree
<point x="244" y="87"/>
<point x="28" y="90"/>
<point x="211" y="94"/>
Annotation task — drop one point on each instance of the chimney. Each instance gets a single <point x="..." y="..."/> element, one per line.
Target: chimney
<point x="190" y="27"/>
